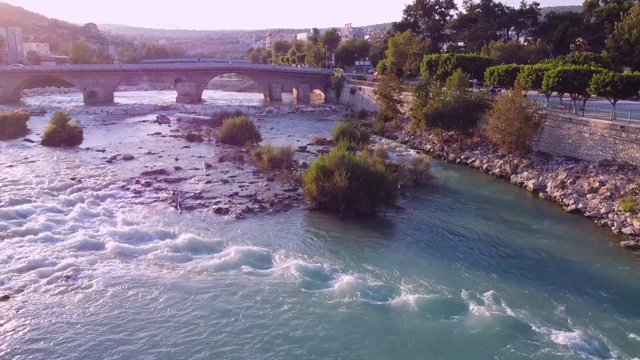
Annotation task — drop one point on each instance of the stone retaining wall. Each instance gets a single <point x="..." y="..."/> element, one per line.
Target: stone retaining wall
<point x="590" y="140"/>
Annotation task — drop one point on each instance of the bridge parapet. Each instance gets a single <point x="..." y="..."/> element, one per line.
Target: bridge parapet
<point x="99" y="82"/>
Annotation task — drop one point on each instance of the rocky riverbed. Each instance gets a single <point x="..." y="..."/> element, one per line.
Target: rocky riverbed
<point x="591" y="189"/>
<point x="167" y="154"/>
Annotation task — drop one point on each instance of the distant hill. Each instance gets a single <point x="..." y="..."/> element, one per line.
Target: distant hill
<point x="39" y="28"/>
<point x="574" y="8"/>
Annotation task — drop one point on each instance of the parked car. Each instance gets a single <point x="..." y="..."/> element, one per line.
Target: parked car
<point x="495" y="89"/>
<point x="17" y="65"/>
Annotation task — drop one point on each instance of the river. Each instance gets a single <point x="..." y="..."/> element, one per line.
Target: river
<point x="471" y="268"/>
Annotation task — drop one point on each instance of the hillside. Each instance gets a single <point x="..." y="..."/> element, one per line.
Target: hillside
<point x="574" y="8"/>
<point x="39" y="28"/>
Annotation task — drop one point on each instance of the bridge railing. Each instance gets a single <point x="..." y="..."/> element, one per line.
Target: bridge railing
<point x="165" y="67"/>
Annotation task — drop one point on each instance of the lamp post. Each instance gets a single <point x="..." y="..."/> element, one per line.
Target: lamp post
<point x="326" y="57"/>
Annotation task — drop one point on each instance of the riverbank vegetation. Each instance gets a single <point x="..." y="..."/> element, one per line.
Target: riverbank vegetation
<point x="62" y="131"/>
<point x="350" y="133"/>
<point x="13" y="124"/>
<point x="239" y="131"/>
<point x="349" y="184"/>
<point x="513" y="123"/>
<point x="274" y="157"/>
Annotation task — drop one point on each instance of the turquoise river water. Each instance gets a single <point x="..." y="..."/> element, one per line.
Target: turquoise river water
<point x="472" y="268"/>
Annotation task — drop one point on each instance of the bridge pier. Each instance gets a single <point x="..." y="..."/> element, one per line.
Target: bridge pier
<point x="97" y="94"/>
<point x="302" y="92"/>
<point x="189" y="92"/>
<point x="8" y="96"/>
<point x="273" y="92"/>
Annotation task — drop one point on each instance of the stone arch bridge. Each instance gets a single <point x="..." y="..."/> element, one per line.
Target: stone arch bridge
<point x="98" y="83"/>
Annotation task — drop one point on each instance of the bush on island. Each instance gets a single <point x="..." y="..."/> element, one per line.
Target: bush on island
<point x="62" y="131"/>
<point x="239" y="131"/>
<point x="13" y="124"/>
<point x="218" y="118"/>
<point x="273" y="157"/>
<point x="347" y="132"/>
<point x="348" y="184"/>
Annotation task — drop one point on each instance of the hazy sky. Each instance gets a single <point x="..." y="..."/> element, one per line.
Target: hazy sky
<point x="229" y="14"/>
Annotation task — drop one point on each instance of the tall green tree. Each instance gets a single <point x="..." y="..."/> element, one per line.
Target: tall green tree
<point x="388" y="93"/>
<point x="153" y="51"/>
<point x="351" y="51"/>
<point x="525" y="20"/>
<point x="481" y="22"/>
<point x="572" y="80"/>
<point x="428" y="20"/>
<point x="513" y="123"/>
<point x="314" y="39"/>
<point x="254" y="57"/>
<point x="404" y="54"/>
<point x="625" y="38"/>
<point x="614" y="86"/>
<point x="561" y="29"/>
<point x="601" y="17"/>
<point x="315" y="55"/>
<point x="129" y="54"/>
<point x="455" y="108"/>
<point x="330" y="40"/>
<point x="531" y="77"/>
<point x="80" y="53"/>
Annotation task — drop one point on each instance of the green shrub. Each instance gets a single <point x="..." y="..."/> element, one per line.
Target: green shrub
<point x="416" y="172"/>
<point x="62" y="131"/>
<point x="218" y="118"/>
<point x="238" y="131"/>
<point x="13" y="124"/>
<point x="347" y="132"/>
<point x="628" y="204"/>
<point x="345" y="183"/>
<point x="270" y="157"/>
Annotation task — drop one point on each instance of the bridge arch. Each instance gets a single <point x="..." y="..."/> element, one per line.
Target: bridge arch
<point x="40" y="80"/>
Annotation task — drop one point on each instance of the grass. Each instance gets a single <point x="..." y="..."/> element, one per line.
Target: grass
<point x="628" y="204"/>
<point x="238" y="131"/>
<point x="62" y="131"/>
<point x="272" y="157"/>
<point x="13" y="124"/>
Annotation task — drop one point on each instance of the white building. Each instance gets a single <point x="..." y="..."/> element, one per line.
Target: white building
<point x="305" y="36"/>
<point x="38" y="48"/>
<point x="13" y="51"/>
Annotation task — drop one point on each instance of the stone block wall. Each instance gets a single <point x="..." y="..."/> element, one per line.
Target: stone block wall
<point x="591" y="140"/>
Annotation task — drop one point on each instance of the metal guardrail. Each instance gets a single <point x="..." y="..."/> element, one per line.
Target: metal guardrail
<point x="592" y="112"/>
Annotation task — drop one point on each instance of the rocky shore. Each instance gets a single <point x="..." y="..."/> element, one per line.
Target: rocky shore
<point x="591" y="189"/>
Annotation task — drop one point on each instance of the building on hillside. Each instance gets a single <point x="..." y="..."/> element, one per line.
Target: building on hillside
<point x="38" y="48"/>
<point x="12" y="51"/>
<point x="305" y="36"/>
<point x="276" y="36"/>
<point x="348" y="33"/>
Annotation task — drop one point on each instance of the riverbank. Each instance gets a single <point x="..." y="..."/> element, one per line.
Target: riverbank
<point x="593" y="190"/>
